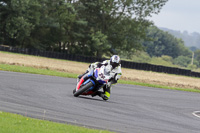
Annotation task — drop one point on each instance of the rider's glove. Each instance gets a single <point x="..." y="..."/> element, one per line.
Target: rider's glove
<point x="94" y="65"/>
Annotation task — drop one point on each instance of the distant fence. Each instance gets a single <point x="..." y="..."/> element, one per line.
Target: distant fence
<point x="80" y="58"/>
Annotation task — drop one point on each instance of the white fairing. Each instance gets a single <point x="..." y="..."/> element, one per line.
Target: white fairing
<point x="117" y="71"/>
<point x="104" y="73"/>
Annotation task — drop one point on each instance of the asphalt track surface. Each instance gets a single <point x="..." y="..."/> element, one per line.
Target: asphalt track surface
<point x="131" y="109"/>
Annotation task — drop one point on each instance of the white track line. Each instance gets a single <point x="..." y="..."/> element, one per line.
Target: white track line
<point x="196" y="113"/>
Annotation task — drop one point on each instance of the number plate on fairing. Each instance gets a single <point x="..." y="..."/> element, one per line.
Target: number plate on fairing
<point x="102" y="74"/>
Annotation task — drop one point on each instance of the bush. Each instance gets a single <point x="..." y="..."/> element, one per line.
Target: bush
<point x="161" y="61"/>
<point x="167" y="58"/>
<point x="191" y="67"/>
<point x="141" y="57"/>
<point x="182" y="61"/>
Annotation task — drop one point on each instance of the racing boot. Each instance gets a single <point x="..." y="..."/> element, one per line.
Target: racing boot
<point x="101" y="94"/>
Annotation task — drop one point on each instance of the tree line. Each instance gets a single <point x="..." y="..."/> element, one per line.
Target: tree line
<point x="170" y="49"/>
<point x="87" y="27"/>
<point x="191" y="39"/>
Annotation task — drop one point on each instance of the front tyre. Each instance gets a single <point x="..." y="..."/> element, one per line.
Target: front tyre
<point x="83" y="89"/>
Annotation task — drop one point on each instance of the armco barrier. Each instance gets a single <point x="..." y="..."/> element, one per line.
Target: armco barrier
<point x="80" y="58"/>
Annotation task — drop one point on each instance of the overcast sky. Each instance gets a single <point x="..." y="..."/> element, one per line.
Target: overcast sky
<point x="179" y="15"/>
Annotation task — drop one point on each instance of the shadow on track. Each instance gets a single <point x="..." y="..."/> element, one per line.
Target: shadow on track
<point x="95" y="99"/>
<point x="90" y="98"/>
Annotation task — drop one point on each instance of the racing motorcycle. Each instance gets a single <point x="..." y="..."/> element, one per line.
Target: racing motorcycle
<point x="97" y="78"/>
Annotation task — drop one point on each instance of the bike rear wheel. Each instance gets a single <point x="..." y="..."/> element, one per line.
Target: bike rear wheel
<point x="83" y="89"/>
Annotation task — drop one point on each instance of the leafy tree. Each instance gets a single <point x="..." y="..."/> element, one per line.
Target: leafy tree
<point x="127" y="35"/>
<point x="77" y="26"/>
<point x="162" y="43"/>
<point x="64" y="17"/>
<point x="17" y="21"/>
<point x="197" y="56"/>
<point x="190" y="39"/>
<point x="193" y="48"/>
<point x="100" y="43"/>
<point x="123" y="22"/>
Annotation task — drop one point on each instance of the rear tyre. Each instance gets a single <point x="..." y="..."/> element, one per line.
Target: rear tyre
<point x="83" y="89"/>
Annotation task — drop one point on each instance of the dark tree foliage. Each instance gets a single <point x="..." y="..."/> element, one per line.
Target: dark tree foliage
<point x="89" y="27"/>
<point x="162" y="43"/>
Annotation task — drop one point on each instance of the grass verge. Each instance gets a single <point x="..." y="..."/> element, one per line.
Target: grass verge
<point x="158" y="86"/>
<point x="23" y="69"/>
<point x="13" y="123"/>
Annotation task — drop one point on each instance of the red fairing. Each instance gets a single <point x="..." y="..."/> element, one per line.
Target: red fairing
<point x="79" y="84"/>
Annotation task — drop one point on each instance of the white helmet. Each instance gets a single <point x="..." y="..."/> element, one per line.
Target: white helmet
<point x="115" y="61"/>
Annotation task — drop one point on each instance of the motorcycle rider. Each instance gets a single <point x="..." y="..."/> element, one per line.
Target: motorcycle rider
<point x="115" y="73"/>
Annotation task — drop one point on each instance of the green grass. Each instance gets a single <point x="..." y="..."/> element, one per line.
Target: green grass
<point x="23" y="69"/>
<point x="13" y="123"/>
<point x="159" y="86"/>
